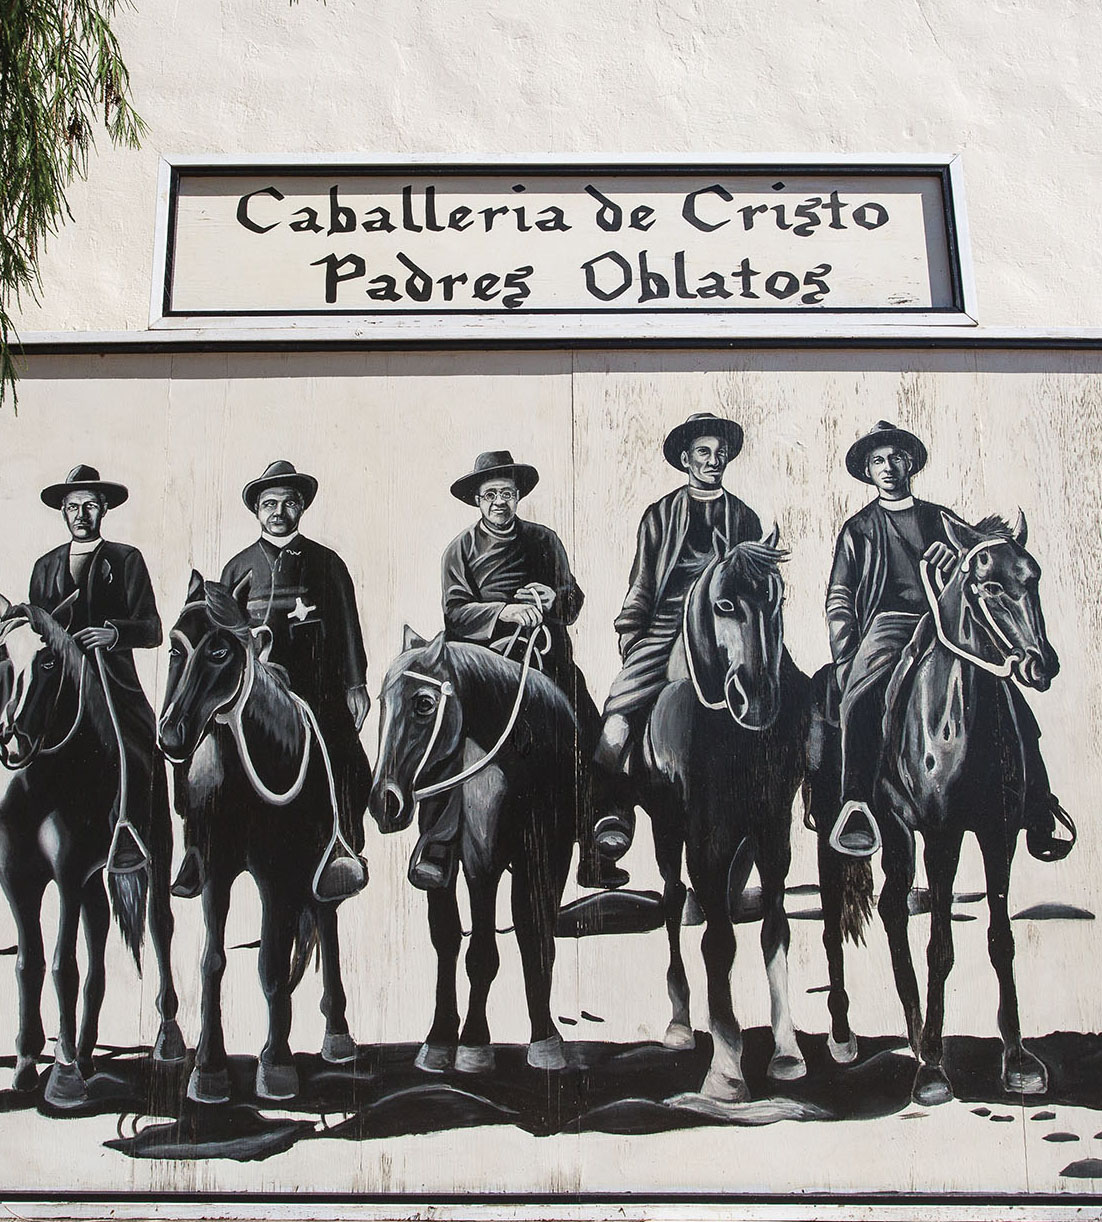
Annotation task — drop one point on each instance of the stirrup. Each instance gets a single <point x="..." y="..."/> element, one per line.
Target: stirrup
<point x="132" y="867"/>
<point x="850" y="809"/>
<point x="1053" y="849"/>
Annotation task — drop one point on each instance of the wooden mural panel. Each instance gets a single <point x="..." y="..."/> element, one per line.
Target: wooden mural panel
<point x="449" y="539"/>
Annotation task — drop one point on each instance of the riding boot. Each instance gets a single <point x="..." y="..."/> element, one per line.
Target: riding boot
<point x="1041" y="820"/>
<point x="433" y="865"/>
<point x="855" y="833"/>
<point x="343" y="876"/>
<point x="189" y="880"/>
<point x="127" y="854"/>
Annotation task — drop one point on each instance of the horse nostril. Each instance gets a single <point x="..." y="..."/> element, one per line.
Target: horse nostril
<point x="392" y="804"/>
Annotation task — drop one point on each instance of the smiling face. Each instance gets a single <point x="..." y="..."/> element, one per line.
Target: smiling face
<point x="706" y="460"/>
<point x="278" y="511"/>
<point x="83" y="512"/>
<point x="889" y="469"/>
<point x="497" y="502"/>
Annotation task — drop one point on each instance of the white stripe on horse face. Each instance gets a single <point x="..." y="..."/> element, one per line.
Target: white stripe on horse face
<point x="384" y="730"/>
<point x="23" y="644"/>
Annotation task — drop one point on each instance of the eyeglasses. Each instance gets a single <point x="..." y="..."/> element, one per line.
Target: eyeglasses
<point x="506" y="495"/>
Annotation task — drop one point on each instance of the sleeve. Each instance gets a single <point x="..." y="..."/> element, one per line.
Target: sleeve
<point x="465" y="616"/>
<point x="568" y="594"/>
<point x="141" y="629"/>
<point x="638" y="610"/>
<point x="39" y="577"/>
<point x="344" y="620"/>
<point x="841" y="600"/>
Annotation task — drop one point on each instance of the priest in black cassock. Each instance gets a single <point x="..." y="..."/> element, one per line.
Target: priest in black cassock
<point x="303" y="594"/>
<point x="503" y="577"/>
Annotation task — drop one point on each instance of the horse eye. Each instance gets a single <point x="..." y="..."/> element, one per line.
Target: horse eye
<point x="423" y="704"/>
<point x="47" y="663"/>
<point x="993" y="588"/>
<point x="220" y="654"/>
<point x="724" y="606"/>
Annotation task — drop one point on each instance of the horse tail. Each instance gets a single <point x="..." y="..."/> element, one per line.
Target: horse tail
<point x="305" y="945"/>
<point x="128" y="896"/>
<point x="856" y="898"/>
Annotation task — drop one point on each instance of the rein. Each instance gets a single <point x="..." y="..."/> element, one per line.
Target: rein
<point x="708" y="704"/>
<point x="447" y="690"/>
<point x="1001" y="670"/>
<point x="72" y="729"/>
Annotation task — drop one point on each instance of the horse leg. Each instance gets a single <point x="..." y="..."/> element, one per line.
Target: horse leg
<point x="787" y="1063"/>
<point x="841" y="1041"/>
<point x="276" y="1076"/>
<point x="338" y="1046"/>
<point x="24" y="890"/>
<point x="169" y="1046"/>
<point x="65" y="1086"/>
<point x="931" y="1085"/>
<point x="1022" y="1072"/>
<point x="899" y="873"/>
<point x="539" y="874"/>
<point x="97" y="924"/>
<point x="437" y="1053"/>
<point x="669" y="844"/>
<point x="210" y="1081"/>
<point x="475" y="1053"/>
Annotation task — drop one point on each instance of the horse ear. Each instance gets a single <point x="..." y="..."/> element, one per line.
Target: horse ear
<point x="195" y="586"/>
<point x="241" y="591"/>
<point x="435" y="655"/>
<point x="773" y="538"/>
<point x="264" y="638"/>
<point x="960" y="535"/>
<point x="1021" y="529"/>
<point x="411" y="639"/>
<point x="5" y="607"/>
<point x="63" y="612"/>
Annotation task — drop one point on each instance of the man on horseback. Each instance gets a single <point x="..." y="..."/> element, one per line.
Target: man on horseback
<point x="503" y="578"/>
<point x="301" y="594"/>
<point x="107" y="593"/>
<point x="678" y="536"/>
<point x="875" y="600"/>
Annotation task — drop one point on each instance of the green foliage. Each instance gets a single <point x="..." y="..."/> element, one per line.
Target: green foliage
<point x="61" y="76"/>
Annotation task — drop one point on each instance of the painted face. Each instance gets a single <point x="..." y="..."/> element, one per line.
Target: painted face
<point x="889" y="468"/>
<point x="497" y="501"/>
<point x="83" y="513"/>
<point x="278" y="511"/>
<point x="705" y="460"/>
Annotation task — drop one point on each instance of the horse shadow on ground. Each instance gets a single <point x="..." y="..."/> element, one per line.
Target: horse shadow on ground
<point x="627" y="1089"/>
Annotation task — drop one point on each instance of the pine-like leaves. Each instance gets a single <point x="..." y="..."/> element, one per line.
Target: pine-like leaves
<point x="61" y="77"/>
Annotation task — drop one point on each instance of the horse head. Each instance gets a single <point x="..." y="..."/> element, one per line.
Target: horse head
<point x="420" y="730"/>
<point x="734" y="637"/>
<point x="40" y="672"/>
<point x="211" y="657"/>
<point x="995" y="583"/>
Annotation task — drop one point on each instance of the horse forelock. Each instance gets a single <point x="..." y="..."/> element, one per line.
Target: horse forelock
<point x="995" y="527"/>
<point x="752" y="562"/>
<point x="54" y="638"/>
<point x="224" y="611"/>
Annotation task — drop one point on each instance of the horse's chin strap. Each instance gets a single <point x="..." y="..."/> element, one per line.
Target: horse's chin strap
<point x="1001" y="670"/>
<point x="540" y="639"/>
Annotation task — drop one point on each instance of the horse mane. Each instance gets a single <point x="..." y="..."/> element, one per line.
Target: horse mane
<point x="994" y="526"/>
<point x="225" y="611"/>
<point x="477" y="665"/>
<point x="755" y="561"/>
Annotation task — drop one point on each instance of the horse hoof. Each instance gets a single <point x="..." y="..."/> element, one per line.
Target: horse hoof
<point x="208" y="1086"/>
<point x="1024" y="1074"/>
<point x="724" y="1089"/>
<point x="65" y="1086"/>
<point x="786" y="1067"/>
<point x="470" y="1058"/>
<point x="679" y="1037"/>
<point x="276" y="1081"/>
<point x="435" y="1058"/>
<point x="931" y="1086"/>
<point x="338" y="1048"/>
<point x="25" y="1077"/>
<point x="170" y="1047"/>
<point x="843" y="1054"/>
<point x="547" y="1054"/>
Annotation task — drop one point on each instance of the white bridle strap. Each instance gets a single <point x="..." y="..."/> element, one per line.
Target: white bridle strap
<point x="708" y="704"/>
<point x="446" y="690"/>
<point x="72" y="729"/>
<point x="1002" y="670"/>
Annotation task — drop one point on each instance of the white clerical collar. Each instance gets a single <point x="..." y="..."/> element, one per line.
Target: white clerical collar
<point x="279" y="541"/>
<point x="81" y="547"/>
<point x="907" y="502"/>
<point x="705" y="494"/>
<point x="496" y="532"/>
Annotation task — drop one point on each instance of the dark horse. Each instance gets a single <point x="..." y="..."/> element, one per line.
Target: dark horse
<point x="72" y="758"/>
<point x="250" y="768"/>
<point x="445" y="709"/>
<point x="954" y="761"/>
<point x="724" y="754"/>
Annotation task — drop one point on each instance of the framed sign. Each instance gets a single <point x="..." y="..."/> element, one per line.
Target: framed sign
<point x="451" y="249"/>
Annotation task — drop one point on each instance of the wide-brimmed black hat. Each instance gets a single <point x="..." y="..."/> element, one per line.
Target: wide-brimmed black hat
<point x="280" y="474"/>
<point x="883" y="434"/>
<point x="495" y="464"/>
<point x="701" y="424"/>
<point x="84" y="479"/>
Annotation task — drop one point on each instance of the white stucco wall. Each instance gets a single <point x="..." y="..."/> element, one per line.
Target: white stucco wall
<point x="1012" y="85"/>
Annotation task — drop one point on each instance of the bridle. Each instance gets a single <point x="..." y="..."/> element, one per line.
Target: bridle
<point x="69" y="734"/>
<point x="540" y="639"/>
<point x="1001" y="670"/>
